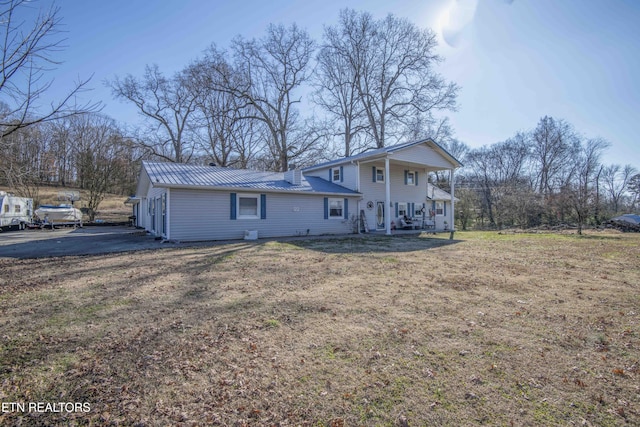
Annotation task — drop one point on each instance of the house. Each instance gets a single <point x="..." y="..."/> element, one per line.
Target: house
<point x="187" y="202"/>
<point x="393" y="183"/>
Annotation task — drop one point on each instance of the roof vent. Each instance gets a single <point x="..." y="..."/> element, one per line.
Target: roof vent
<point x="212" y="164"/>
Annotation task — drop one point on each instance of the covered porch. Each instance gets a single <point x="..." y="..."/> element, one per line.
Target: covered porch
<point x="396" y="194"/>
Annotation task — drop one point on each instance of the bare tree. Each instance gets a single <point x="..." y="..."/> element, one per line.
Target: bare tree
<point x="554" y="147"/>
<point x="168" y="104"/>
<point x="337" y="94"/>
<point x="99" y="148"/>
<point x="392" y="64"/>
<point x="500" y="172"/>
<point x="267" y="74"/>
<point x="26" y="55"/>
<point x="219" y="122"/>
<point x="616" y="183"/>
<point x="582" y="192"/>
<point x="634" y="189"/>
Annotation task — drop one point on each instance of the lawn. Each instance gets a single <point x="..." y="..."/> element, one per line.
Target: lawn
<point x="495" y="329"/>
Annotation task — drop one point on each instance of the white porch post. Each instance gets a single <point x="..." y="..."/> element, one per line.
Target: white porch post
<point x="453" y="210"/>
<point x="387" y="197"/>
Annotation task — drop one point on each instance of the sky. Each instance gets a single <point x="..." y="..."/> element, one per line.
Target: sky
<point x="514" y="60"/>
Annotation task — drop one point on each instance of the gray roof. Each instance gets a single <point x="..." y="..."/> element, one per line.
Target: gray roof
<point x="630" y="218"/>
<point x="166" y="174"/>
<point x="435" y="193"/>
<point x="379" y="152"/>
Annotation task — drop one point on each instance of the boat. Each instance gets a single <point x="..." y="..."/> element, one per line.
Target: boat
<point x="59" y="215"/>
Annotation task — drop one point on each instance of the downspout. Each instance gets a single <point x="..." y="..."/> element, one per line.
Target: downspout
<point x="387" y="197"/>
<point x="167" y="214"/>
<point x="358" y="219"/>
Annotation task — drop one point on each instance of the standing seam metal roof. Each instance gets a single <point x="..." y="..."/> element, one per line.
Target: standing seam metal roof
<point x="181" y="175"/>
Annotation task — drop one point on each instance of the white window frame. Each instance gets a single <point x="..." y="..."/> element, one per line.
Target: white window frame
<point x="403" y="206"/>
<point x="341" y="203"/>
<point x="16" y="208"/>
<point x="335" y="175"/>
<point x="256" y="197"/>
<point x="439" y="208"/>
<point x="411" y="178"/>
<point x="379" y="173"/>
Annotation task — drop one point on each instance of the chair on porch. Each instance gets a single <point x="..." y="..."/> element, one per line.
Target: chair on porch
<point x="405" y="223"/>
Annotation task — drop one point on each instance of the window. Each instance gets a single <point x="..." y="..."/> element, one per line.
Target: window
<point x="402" y="209"/>
<point x="335" y="175"/>
<point x="248" y="207"/>
<point x="439" y="208"/>
<point x="411" y="178"/>
<point x="379" y="175"/>
<point x="17" y="208"/>
<point x="335" y="208"/>
<point x="6" y="208"/>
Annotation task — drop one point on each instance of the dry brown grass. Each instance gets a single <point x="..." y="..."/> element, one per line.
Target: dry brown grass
<point x="491" y="329"/>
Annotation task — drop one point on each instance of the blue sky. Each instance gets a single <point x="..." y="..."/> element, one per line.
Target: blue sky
<point x="515" y="61"/>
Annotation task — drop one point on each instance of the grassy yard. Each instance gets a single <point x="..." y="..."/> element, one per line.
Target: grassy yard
<point x="495" y="329"/>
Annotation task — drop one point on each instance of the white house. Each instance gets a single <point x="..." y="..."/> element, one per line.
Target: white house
<point x="393" y="183"/>
<point x="187" y="203"/>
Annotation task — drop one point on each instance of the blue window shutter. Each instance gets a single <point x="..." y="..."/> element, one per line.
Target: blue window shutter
<point x="330" y="175"/>
<point x="416" y="178"/>
<point x="406" y="174"/>
<point x="397" y="210"/>
<point x="346" y="207"/>
<point x="444" y="205"/>
<point x="326" y="208"/>
<point x="374" y="173"/>
<point x="263" y="206"/>
<point x="413" y="209"/>
<point x="433" y="206"/>
<point x="341" y="174"/>
<point x="233" y="206"/>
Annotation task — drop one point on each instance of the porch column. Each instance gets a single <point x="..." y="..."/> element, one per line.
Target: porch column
<point x="387" y="197"/>
<point x="453" y="207"/>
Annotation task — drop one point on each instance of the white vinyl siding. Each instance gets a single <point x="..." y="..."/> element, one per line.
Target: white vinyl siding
<point x="400" y="192"/>
<point x="427" y="156"/>
<point x="347" y="178"/>
<point x="204" y="215"/>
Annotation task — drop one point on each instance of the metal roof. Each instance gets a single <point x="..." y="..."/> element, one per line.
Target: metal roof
<point x="435" y="193"/>
<point x="167" y="174"/>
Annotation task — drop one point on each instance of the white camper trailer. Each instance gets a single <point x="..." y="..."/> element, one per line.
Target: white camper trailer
<point x="15" y="212"/>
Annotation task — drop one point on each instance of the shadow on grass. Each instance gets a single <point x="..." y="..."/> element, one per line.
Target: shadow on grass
<point x="372" y="243"/>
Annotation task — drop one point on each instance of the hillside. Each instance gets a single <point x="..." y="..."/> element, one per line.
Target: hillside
<point x="112" y="208"/>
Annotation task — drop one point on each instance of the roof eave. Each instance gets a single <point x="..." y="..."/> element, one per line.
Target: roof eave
<point x="252" y="190"/>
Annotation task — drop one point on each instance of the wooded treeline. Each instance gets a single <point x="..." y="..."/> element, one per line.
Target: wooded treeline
<point x="549" y="176"/>
<point x="284" y="99"/>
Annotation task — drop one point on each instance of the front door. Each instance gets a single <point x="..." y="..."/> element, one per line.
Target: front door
<point x="380" y="215"/>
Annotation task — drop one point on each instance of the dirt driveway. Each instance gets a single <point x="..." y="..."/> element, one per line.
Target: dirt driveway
<point x="69" y="241"/>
